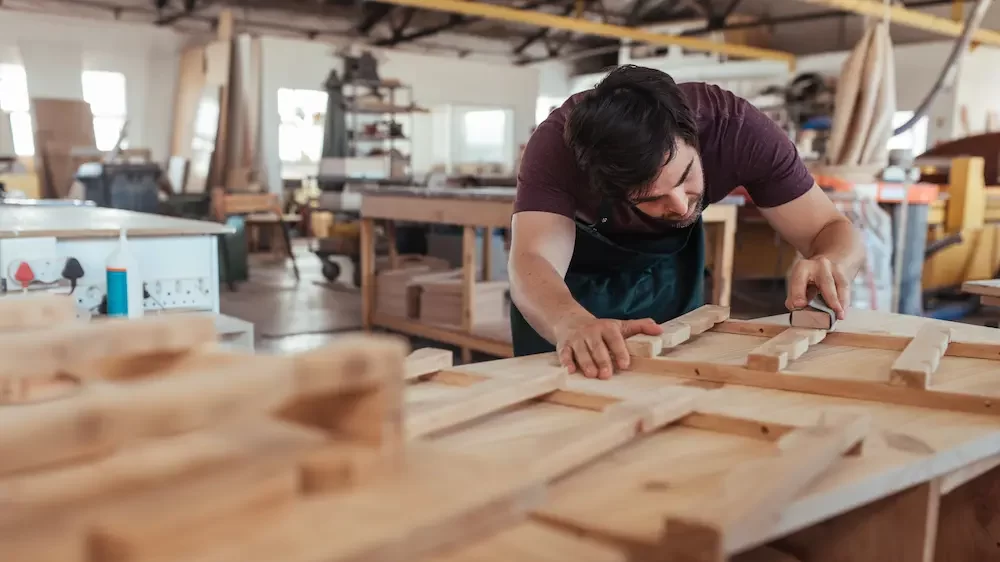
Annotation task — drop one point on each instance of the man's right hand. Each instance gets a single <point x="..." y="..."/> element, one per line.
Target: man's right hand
<point x="595" y="346"/>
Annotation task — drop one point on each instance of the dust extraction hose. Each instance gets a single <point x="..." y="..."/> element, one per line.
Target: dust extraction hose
<point x="972" y="23"/>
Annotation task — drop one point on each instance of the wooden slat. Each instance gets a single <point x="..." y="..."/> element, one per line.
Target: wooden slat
<point x="774" y="354"/>
<point x="754" y="492"/>
<point x="426" y="361"/>
<point x="478" y="400"/>
<point x="803" y="382"/>
<point x="921" y="357"/>
<point x="887" y="341"/>
<point x="48" y="353"/>
<point x="104" y="416"/>
<point x="677" y="331"/>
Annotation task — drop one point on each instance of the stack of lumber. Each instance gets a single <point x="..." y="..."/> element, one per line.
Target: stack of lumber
<point x="393" y="293"/>
<point x="441" y="302"/>
<point x="158" y="447"/>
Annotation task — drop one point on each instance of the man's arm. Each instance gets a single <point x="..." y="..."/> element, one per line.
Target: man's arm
<point x="832" y="246"/>
<point x="541" y="249"/>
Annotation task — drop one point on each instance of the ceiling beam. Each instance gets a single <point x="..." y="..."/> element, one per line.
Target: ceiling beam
<point x="909" y="18"/>
<point x="454" y="21"/>
<point x="579" y="25"/>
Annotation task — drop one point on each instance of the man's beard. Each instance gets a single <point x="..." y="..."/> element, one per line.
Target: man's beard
<point x="694" y="213"/>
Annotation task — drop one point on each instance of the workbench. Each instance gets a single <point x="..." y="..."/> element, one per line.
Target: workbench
<point x="490" y="208"/>
<point x="735" y="469"/>
<point x="178" y="258"/>
<point x="879" y="441"/>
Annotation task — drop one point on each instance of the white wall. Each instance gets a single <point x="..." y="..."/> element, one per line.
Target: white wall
<point x="55" y="50"/>
<point x="979" y="88"/>
<point x="290" y="63"/>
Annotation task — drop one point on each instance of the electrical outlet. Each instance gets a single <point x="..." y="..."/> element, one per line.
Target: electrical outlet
<point x="88" y="297"/>
<point x="178" y="293"/>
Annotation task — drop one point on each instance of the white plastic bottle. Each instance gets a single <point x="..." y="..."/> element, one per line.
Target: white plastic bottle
<point x="124" y="282"/>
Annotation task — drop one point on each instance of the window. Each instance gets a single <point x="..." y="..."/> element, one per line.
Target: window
<point x="300" y="134"/>
<point x="14" y="100"/>
<point x="105" y="92"/>
<point x="914" y="139"/>
<point x="544" y="105"/>
<point x="468" y="139"/>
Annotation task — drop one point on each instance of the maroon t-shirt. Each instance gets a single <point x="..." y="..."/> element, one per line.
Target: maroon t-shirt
<point x="739" y="146"/>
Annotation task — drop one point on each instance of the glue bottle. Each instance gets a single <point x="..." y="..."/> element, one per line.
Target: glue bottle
<point x="124" y="283"/>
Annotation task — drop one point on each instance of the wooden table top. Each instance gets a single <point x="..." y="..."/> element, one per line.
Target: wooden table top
<point x="505" y="194"/>
<point x="97" y="222"/>
<point x="739" y="413"/>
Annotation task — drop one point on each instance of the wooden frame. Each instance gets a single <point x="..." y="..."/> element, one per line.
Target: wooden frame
<point x="488" y="212"/>
<point x="807" y="476"/>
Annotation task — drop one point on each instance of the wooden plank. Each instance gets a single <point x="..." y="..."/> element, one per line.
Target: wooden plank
<point x="426" y="361"/>
<point x="152" y="462"/>
<point x="367" y="265"/>
<point x="774" y="354"/>
<point x="563" y="451"/>
<point x="35" y="311"/>
<point x="921" y="357"/>
<point x="64" y="349"/>
<point x="755" y="492"/>
<point x="439" y="498"/>
<point x="972" y="350"/>
<point x="678" y="330"/>
<point x="138" y="528"/>
<point x="901" y="15"/>
<point x="478" y="400"/>
<point x="104" y="416"/>
<point x="456" y="211"/>
<point x="900" y="527"/>
<point x="534" y="541"/>
<point x="736" y="426"/>
<point x="799" y="382"/>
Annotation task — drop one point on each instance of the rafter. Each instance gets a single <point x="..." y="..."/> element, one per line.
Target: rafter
<point x="583" y="26"/>
<point x="909" y="18"/>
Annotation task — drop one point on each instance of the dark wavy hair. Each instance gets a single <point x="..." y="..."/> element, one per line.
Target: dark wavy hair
<point x="621" y="131"/>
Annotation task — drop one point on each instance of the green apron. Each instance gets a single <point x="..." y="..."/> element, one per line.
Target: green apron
<point x="629" y="278"/>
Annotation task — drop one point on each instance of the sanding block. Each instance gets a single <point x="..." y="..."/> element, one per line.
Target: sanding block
<point x="816" y="315"/>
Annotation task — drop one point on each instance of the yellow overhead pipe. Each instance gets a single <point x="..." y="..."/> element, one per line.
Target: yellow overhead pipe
<point x="910" y="18"/>
<point x="580" y="25"/>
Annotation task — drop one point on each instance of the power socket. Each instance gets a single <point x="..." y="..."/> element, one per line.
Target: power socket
<point x="178" y="293"/>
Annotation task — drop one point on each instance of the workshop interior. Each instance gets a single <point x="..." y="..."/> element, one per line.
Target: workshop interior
<point x="255" y="292"/>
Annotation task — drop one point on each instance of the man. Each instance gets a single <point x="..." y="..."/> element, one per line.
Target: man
<point x="607" y="237"/>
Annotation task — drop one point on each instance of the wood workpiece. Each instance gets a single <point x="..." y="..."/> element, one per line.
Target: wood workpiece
<point x="690" y="455"/>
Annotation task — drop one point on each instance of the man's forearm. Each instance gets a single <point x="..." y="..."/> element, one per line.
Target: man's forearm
<point x="840" y="242"/>
<point x="541" y="295"/>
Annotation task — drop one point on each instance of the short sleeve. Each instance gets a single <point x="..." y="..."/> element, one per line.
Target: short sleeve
<point x="547" y="174"/>
<point x="770" y="170"/>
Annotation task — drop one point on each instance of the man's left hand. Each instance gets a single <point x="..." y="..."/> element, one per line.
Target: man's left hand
<point x="822" y="275"/>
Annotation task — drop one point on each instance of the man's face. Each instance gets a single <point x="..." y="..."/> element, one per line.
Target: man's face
<point x="676" y="194"/>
